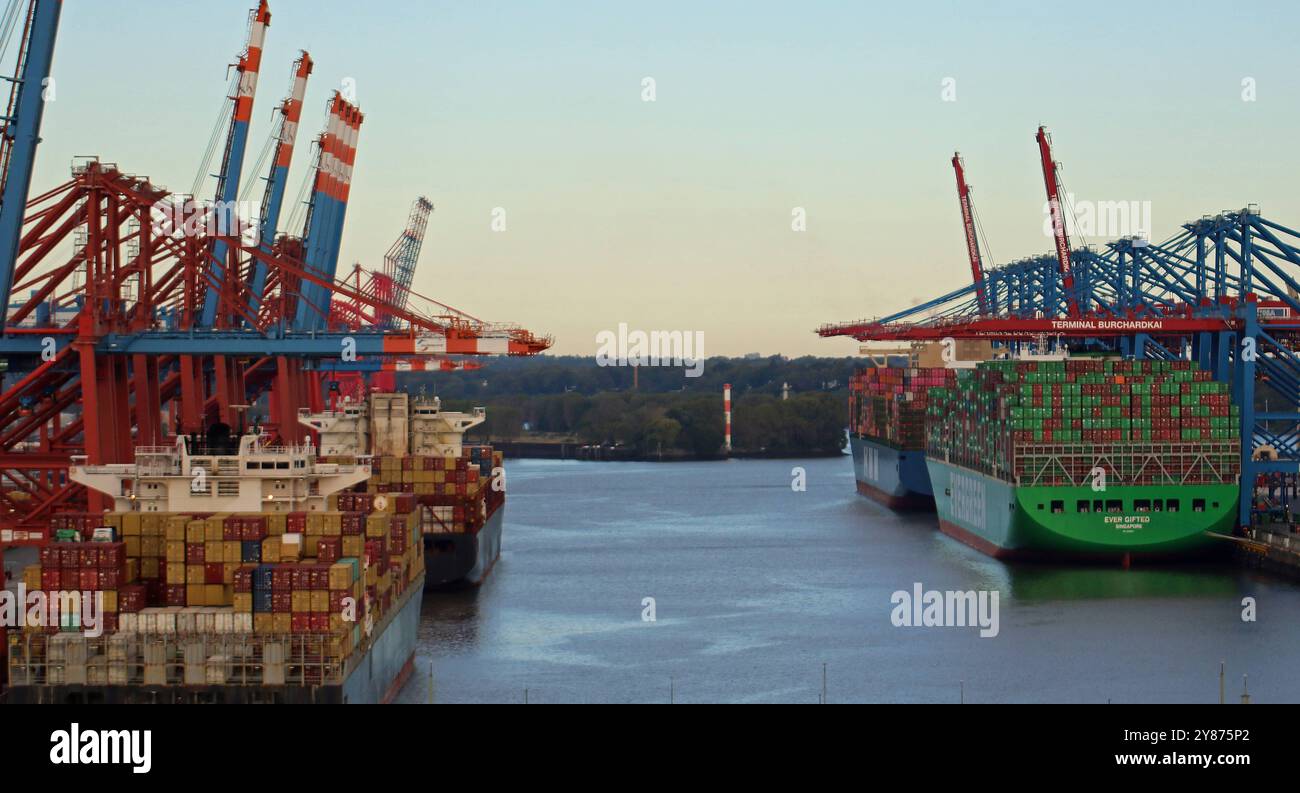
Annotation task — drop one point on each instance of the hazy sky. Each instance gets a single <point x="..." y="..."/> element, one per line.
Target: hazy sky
<point x="676" y="214"/>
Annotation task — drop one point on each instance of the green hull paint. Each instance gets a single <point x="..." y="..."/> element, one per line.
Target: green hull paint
<point x="1002" y="519"/>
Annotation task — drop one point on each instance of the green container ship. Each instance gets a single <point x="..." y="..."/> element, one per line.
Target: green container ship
<point x="1084" y="458"/>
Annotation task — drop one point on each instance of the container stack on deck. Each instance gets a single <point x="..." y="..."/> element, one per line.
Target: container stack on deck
<point x="457" y="489"/>
<point x="316" y="577"/>
<point x="1055" y="422"/>
<point x="889" y="404"/>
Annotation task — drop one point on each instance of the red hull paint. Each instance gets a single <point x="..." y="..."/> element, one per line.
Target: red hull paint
<point x="909" y="503"/>
<point x="975" y="541"/>
<point x="396" y="686"/>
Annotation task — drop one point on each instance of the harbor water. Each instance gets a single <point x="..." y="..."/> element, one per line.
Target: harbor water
<point x="720" y="582"/>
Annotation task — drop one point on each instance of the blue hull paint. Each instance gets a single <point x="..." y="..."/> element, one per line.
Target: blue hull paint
<point x="896" y="478"/>
<point x="379" y="674"/>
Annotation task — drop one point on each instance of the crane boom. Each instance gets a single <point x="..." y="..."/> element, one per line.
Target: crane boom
<point x="1058" y="220"/>
<point x="400" y="261"/>
<point x="968" y="223"/>
<point x="273" y="198"/>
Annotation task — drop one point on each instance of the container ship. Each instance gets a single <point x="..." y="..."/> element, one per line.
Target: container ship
<point x="222" y="575"/>
<point x="887" y="410"/>
<point x="1084" y="458"/>
<point x="455" y="491"/>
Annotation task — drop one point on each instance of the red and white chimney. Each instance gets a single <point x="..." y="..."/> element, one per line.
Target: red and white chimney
<point x="726" y="413"/>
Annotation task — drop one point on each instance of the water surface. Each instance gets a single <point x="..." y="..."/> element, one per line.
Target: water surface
<point x="756" y="586"/>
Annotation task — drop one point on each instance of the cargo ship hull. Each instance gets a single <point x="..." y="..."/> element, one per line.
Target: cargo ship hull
<point x="1050" y="522"/>
<point x="896" y="478"/>
<point x="463" y="559"/>
<point x="373" y="677"/>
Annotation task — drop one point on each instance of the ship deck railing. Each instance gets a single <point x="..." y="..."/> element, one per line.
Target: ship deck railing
<point x="120" y="659"/>
<point x="1127" y="463"/>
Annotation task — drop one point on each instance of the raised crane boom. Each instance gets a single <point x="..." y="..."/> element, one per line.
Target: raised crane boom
<point x="232" y="164"/>
<point x="394" y="283"/>
<point x="1058" y="220"/>
<point x="273" y="198"/>
<point x="968" y="223"/>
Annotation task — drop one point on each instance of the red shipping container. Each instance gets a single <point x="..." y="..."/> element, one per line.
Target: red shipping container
<point x="109" y="578"/>
<point x="337" y="600"/>
<point x="51" y="579"/>
<point x="51" y="556"/>
<point x="110" y="622"/>
<point x="212" y="573"/>
<point x="281" y="602"/>
<point x="320" y="623"/>
<point x="112" y="554"/>
<point x="230" y="529"/>
<point x="300" y="623"/>
<point x="302" y="577"/>
<point x="254" y="528"/>
<point x="282" y="579"/>
<point x="296" y="523"/>
<point x="320" y="576"/>
<point x="88" y="555"/>
<point x="89" y="579"/>
<point x="329" y="549"/>
<point x="194" y="553"/>
<point x="174" y="595"/>
<point x="130" y="598"/>
<point x="244" y="578"/>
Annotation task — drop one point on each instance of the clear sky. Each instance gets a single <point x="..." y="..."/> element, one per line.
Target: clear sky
<point x="676" y="214"/>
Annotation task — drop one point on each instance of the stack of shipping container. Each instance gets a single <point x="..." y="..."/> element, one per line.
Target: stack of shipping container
<point x="1057" y="421"/>
<point x="889" y="404"/>
<point x="320" y="573"/>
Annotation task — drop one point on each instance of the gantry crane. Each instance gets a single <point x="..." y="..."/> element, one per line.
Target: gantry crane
<point x="968" y="225"/>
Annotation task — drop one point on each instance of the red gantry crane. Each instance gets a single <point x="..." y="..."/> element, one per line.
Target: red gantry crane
<point x="972" y="241"/>
<point x="1057" y="209"/>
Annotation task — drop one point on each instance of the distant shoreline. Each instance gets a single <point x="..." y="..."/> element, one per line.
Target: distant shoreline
<point x="551" y="450"/>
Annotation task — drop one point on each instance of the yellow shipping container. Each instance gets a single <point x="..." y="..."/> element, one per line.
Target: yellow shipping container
<point x="340" y="575"/>
<point x="214" y="551"/>
<point x="150" y="522"/>
<point x="281" y="623"/>
<point x="300" y="600"/>
<point x="278" y="522"/>
<point x="132" y="545"/>
<point x="353" y="545"/>
<point x="214" y="595"/>
<point x="175" y="553"/>
<point x="149" y="567"/>
<point x="271" y="550"/>
<point x="110" y="600"/>
<point x="175" y="573"/>
<point x="320" y="601"/>
<point x="244" y="602"/>
<point x="194" y="595"/>
<point x="133" y="570"/>
<point x="228" y="573"/>
<point x="32" y="577"/>
<point x="194" y="575"/>
<point x="263" y="624"/>
<point x="151" y="546"/>
<point x="194" y="532"/>
<point x="127" y="528"/>
<point x="214" y="530"/>
<point x="232" y="553"/>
